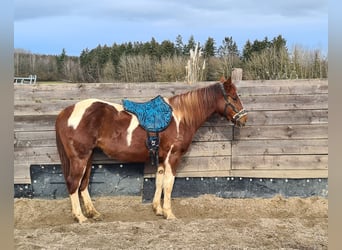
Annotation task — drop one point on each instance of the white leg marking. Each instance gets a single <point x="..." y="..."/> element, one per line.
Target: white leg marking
<point x="167" y="187"/>
<point x="88" y="205"/>
<point x="76" y="207"/>
<point x="132" y="126"/>
<point x="75" y="202"/>
<point x="80" y="108"/>
<point x="159" y="187"/>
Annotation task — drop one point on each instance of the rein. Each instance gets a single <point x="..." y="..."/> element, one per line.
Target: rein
<point x="238" y="114"/>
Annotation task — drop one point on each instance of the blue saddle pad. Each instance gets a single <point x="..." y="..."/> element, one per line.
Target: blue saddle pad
<point x="154" y="115"/>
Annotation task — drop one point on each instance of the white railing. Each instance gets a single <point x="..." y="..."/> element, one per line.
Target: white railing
<point x="31" y="79"/>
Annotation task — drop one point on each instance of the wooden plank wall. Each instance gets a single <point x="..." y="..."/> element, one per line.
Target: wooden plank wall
<point x="286" y="135"/>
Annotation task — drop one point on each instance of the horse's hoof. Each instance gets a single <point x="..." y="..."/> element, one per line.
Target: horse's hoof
<point x="158" y="211"/>
<point x="81" y="219"/>
<point x="98" y="217"/>
<point x="169" y="216"/>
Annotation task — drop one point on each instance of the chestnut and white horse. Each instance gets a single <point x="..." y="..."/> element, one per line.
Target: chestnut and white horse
<point x="93" y="123"/>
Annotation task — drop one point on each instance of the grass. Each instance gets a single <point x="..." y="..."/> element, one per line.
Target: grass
<point x="51" y="82"/>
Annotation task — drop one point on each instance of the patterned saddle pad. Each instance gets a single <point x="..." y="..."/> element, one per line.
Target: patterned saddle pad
<point x="154" y="115"/>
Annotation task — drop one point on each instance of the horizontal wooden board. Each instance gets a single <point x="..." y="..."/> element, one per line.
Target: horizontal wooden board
<point x="217" y="133"/>
<point x="285" y="102"/>
<point x="276" y="89"/>
<point x="210" y="149"/>
<point x="49" y="155"/>
<point x="251" y="103"/>
<point x="221" y="173"/>
<point x="290" y="174"/>
<point x="34" y="122"/>
<point x="289" y="82"/>
<point x="282" y="117"/>
<point x="218" y="163"/>
<point x="315" y="131"/>
<point x="280" y="147"/>
<point x="198" y="164"/>
<point x="102" y="90"/>
<point x="26" y="139"/>
<point x="283" y="173"/>
<point x="47" y="138"/>
<point x="36" y="155"/>
<point x="280" y="162"/>
<point x="135" y="90"/>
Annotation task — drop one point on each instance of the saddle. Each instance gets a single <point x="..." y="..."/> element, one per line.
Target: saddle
<point x="154" y="116"/>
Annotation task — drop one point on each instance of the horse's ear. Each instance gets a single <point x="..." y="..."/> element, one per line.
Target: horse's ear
<point x="228" y="83"/>
<point x="222" y="79"/>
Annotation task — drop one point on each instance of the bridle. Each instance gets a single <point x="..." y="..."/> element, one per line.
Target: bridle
<point x="238" y="114"/>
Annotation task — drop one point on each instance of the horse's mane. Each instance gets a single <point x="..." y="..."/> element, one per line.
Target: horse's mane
<point x="195" y="106"/>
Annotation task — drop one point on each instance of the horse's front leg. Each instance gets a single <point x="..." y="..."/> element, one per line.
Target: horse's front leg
<point x="156" y="205"/>
<point x="169" y="179"/>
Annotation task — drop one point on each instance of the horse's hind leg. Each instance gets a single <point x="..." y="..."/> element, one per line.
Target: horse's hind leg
<point x="90" y="210"/>
<point x="73" y="181"/>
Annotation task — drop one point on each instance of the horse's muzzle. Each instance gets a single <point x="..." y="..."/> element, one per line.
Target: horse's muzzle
<point x="240" y="118"/>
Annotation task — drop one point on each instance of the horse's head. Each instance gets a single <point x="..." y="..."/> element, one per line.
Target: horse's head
<point x="230" y="105"/>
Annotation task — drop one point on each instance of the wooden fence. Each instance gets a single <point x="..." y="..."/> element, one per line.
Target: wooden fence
<point x="286" y="135"/>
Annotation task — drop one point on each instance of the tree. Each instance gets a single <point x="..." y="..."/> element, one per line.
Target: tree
<point x="229" y="55"/>
<point x="255" y="47"/>
<point x="189" y="46"/>
<point x="279" y="43"/>
<point x="209" y="48"/>
<point x="247" y="51"/>
<point x="167" y="48"/>
<point x="179" y="47"/>
<point x="61" y="63"/>
<point x="154" y="50"/>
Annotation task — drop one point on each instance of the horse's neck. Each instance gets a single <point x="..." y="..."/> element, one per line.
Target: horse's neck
<point x="195" y="107"/>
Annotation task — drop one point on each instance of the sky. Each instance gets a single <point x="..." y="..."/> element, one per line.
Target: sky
<point x="46" y="27"/>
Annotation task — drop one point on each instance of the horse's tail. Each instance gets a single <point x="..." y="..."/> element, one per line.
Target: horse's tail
<point x="61" y="151"/>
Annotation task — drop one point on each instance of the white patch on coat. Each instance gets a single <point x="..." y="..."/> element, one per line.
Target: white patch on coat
<point x="132" y="126"/>
<point x="80" y="107"/>
<point x="177" y="118"/>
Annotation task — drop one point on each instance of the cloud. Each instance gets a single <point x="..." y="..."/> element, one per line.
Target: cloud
<point x="33" y="9"/>
<point x="90" y="23"/>
<point x="153" y="10"/>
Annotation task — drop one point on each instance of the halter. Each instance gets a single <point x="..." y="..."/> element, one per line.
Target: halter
<point x="238" y="114"/>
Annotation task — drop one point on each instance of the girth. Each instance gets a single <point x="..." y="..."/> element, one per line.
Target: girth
<point x="154" y="116"/>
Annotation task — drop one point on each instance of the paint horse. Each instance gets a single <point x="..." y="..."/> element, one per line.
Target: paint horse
<point x="93" y="123"/>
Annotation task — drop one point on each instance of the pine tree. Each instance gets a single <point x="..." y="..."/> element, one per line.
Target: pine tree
<point x="209" y="48"/>
<point x="179" y="47"/>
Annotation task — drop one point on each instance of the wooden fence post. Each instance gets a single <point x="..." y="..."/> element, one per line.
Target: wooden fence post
<point x="236" y="75"/>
